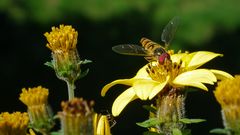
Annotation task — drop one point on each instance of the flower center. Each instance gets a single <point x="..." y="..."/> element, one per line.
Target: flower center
<point x="160" y="71"/>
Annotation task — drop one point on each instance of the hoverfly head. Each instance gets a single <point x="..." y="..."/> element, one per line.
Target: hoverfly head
<point x="163" y="57"/>
<point x="159" y="51"/>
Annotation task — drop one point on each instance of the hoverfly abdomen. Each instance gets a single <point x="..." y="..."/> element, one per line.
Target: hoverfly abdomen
<point x="148" y="44"/>
<point x="157" y="51"/>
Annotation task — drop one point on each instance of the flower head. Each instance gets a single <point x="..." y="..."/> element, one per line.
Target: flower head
<point x="13" y="124"/>
<point x="154" y="77"/>
<point x="77" y="112"/>
<point x="228" y="96"/>
<point x="66" y="62"/>
<point x="62" y="39"/>
<point x="36" y="100"/>
<point x="34" y="96"/>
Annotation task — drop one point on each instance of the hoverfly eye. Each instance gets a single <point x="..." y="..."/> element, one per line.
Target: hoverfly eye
<point x="159" y="51"/>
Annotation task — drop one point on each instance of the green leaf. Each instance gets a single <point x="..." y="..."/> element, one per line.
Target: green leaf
<point x="85" y="61"/>
<point x="220" y="131"/>
<point x="150" y="108"/>
<point x="176" y="131"/>
<point x="83" y="74"/>
<point x="151" y="133"/>
<point x="149" y="123"/>
<point x="190" y="121"/>
<point x="49" y="64"/>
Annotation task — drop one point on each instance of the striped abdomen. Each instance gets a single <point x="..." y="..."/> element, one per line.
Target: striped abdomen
<point x="152" y="47"/>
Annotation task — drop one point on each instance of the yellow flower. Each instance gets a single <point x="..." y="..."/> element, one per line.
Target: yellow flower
<point x="181" y="71"/>
<point x="34" y="96"/>
<point x="36" y="100"/>
<point x="62" y="39"/>
<point x="228" y="96"/>
<point x="101" y="125"/>
<point x="13" y="124"/>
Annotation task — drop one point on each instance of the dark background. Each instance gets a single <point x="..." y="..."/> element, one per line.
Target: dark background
<point x="205" y="25"/>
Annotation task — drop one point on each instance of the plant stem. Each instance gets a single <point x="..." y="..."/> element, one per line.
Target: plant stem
<point x="71" y="87"/>
<point x="170" y="109"/>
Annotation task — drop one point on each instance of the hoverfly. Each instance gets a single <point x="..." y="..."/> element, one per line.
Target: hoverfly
<point x="149" y="49"/>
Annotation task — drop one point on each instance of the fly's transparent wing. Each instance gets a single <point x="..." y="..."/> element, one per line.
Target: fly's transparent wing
<point x="130" y="49"/>
<point x="169" y="30"/>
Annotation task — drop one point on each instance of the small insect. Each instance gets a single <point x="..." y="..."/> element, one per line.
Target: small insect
<point x="111" y="120"/>
<point x="149" y="49"/>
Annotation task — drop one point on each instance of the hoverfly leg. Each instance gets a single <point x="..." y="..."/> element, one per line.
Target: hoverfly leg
<point x="149" y="58"/>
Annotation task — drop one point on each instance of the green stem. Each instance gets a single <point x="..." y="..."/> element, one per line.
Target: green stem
<point x="71" y="87"/>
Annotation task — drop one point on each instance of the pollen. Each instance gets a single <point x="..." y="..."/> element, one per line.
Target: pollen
<point x="61" y="39"/>
<point x="13" y="124"/>
<point x="34" y="96"/>
<point x="159" y="72"/>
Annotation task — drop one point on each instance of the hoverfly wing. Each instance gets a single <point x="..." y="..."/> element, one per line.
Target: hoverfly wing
<point x="130" y="49"/>
<point x="169" y="31"/>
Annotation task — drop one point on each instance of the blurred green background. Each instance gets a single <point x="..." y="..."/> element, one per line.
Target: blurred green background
<point x="212" y="25"/>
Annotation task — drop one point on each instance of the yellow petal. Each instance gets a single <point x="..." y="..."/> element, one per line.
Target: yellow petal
<point x="31" y="132"/>
<point x="158" y="88"/>
<point x="143" y="88"/>
<point x="177" y="57"/>
<point x="197" y="85"/>
<point x="120" y="81"/>
<point x="195" y="78"/>
<point x="122" y="100"/>
<point x="142" y="73"/>
<point x="103" y="127"/>
<point x="221" y="75"/>
<point x="197" y="59"/>
<point x="107" y="126"/>
<point x="100" y="127"/>
<point x="95" y="123"/>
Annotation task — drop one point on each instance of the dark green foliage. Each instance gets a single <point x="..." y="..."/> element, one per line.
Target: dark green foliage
<point x="149" y="123"/>
<point x="191" y="121"/>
